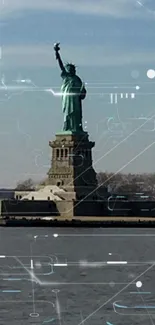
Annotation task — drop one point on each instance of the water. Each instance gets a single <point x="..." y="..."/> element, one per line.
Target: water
<point x="77" y="276"/>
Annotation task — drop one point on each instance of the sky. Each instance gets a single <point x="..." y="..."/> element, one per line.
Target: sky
<point x="112" y="44"/>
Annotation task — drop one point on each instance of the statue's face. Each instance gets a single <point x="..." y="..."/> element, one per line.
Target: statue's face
<point x="70" y="69"/>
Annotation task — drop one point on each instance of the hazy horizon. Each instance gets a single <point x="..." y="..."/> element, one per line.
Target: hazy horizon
<point x="112" y="45"/>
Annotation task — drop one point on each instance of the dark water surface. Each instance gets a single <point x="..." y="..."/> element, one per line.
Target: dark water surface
<point x="64" y="276"/>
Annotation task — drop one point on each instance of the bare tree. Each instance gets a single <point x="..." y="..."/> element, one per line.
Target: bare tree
<point x="26" y="185"/>
<point x="124" y="183"/>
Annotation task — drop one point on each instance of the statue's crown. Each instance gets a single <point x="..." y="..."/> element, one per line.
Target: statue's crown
<point x="70" y="65"/>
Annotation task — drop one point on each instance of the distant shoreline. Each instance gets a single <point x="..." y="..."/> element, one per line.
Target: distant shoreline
<point x="91" y="222"/>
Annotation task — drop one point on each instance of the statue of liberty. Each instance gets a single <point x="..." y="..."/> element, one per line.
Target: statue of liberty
<point x="73" y="92"/>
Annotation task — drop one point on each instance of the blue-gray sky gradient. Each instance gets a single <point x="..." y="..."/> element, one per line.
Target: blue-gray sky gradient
<point x="107" y="40"/>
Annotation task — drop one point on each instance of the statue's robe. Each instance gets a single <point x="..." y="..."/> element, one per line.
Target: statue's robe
<point x="73" y="92"/>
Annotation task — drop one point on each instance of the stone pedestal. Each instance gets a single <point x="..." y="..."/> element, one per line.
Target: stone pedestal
<point x="71" y="165"/>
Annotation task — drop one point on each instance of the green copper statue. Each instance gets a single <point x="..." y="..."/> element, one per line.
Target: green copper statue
<point x="73" y="92"/>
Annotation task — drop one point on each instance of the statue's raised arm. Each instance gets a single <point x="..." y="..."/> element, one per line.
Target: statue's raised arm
<point x="58" y="57"/>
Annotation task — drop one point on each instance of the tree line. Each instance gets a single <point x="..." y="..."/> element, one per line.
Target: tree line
<point x="116" y="183"/>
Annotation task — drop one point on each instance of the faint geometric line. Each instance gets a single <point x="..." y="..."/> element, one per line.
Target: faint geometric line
<point x="115" y="295"/>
